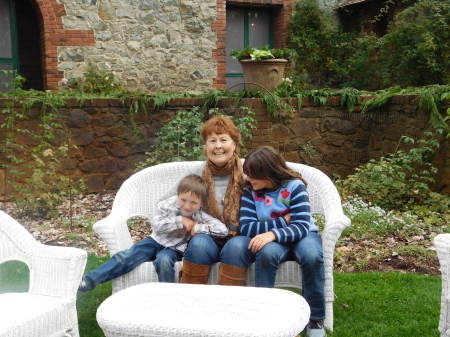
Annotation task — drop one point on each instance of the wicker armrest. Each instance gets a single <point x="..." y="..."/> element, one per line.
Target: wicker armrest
<point x="114" y="231"/>
<point x="54" y="271"/>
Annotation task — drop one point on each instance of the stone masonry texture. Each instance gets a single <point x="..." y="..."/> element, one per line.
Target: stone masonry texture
<point x="149" y="44"/>
<point x="327" y="137"/>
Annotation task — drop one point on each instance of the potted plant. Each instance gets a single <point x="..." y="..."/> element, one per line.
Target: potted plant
<point x="263" y="65"/>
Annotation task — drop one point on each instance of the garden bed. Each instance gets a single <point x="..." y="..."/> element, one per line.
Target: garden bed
<point x="413" y="254"/>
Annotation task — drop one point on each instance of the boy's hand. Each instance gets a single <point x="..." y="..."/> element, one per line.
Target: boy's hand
<point x="188" y="223"/>
<point x="260" y="240"/>
<point x="193" y="229"/>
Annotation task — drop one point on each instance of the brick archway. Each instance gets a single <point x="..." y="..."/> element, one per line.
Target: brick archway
<point x="53" y="35"/>
<point x="282" y="13"/>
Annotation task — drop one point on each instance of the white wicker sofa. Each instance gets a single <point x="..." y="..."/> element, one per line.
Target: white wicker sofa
<point x="48" y="309"/>
<point x="442" y="245"/>
<point x="138" y="196"/>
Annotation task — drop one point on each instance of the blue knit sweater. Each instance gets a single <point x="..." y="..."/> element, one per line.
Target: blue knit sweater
<point x="262" y="214"/>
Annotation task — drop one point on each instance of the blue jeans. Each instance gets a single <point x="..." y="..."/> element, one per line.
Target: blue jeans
<point x="202" y="250"/>
<point x="128" y="259"/>
<point x="307" y="252"/>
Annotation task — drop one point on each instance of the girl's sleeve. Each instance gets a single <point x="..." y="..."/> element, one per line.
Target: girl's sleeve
<point x="300" y="218"/>
<point x="249" y="223"/>
<point x="300" y="210"/>
<point x="211" y="225"/>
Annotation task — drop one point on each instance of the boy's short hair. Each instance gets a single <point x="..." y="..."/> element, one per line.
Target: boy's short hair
<point x="195" y="184"/>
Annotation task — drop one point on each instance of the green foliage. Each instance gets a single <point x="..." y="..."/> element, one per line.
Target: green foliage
<point x="95" y="81"/>
<point x="43" y="187"/>
<point x="328" y="55"/>
<point x="263" y="53"/>
<point x="419" y="39"/>
<point x="370" y="220"/>
<point x="180" y="140"/>
<point x="446" y="119"/>
<point x="397" y="181"/>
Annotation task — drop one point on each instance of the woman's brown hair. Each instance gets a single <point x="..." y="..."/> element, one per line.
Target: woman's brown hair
<point x="219" y="125"/>
<point x="266" y="163"/>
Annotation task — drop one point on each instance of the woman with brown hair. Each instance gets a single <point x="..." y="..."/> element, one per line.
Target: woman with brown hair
<point x="223" y="172"/>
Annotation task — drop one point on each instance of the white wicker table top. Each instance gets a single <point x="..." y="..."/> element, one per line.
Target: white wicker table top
<point x="167" y="309"/>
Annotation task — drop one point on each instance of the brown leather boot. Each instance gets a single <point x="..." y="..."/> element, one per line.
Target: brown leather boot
<point x="231" y="275"/>
<point x="194" y="273"/>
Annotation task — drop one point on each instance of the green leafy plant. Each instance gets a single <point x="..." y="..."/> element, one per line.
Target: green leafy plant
<point x="44" y="187"/>
<point x="94" y="81"/>
<point x="179" y="139"/>
<point x="263" y="53"/>
<point x="419" y="39"/>
<point x="396" y="181"/>
<point x="446" y="119"/>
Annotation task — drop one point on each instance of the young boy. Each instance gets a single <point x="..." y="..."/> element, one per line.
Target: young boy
<point x="179" y="218"/>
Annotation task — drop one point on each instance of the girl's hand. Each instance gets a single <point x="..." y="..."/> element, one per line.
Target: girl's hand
<point x="260" y="240"/>
<point x="287" y="217"/>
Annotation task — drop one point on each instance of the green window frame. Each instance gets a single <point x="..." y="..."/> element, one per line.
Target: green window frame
<point x="14" y="59"/>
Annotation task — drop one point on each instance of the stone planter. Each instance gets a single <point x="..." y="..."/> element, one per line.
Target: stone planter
<point x="268" y="73"/>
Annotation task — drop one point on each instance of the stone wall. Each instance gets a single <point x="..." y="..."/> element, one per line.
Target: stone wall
<point x="151" y="44"/>
<point x="329" y="138"/>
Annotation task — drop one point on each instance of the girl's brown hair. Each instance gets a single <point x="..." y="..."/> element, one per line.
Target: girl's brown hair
<point x="266" y="163"/>
<point x="219" y="125"/>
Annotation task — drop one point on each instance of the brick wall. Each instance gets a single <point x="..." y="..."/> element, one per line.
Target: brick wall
<point x="52" y="35"/>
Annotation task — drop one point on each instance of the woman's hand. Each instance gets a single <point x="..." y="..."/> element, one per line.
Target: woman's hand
<point x="260" y="240"/>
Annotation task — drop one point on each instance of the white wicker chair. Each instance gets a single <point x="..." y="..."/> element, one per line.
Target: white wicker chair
<point x="138" y="196"/>
<point x="442" y="245"/>
<point x="48" y="308"/>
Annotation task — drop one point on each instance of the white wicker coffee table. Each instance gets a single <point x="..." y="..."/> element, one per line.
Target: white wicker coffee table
<point x="175" y="310"/>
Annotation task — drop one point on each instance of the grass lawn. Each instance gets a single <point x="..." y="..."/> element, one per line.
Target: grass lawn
<point x="367" y="304"/>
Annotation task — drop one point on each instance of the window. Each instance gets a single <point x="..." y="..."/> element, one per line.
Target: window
<point x="8" y="43"/>
<point x="245" y="27"/>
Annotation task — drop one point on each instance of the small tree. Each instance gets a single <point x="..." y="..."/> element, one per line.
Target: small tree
<point x="416" y="50"/>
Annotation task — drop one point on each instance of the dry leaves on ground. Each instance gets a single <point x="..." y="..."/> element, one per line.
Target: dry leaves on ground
<point x="384" y="254"/>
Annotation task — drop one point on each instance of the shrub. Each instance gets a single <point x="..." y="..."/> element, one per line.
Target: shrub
<point x="329" y="55"/>
<point x="180" y="139"/>
<point x="397" y="181"/>
<point x="416" y="50"/>
<point x="95" y="81"/>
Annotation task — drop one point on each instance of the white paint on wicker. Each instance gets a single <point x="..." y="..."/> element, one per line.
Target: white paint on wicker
<point x="442" y="245"/>
<point x="178" y="310"/>
<point x="138" y="195"/>
<point x="48" y="309"/>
